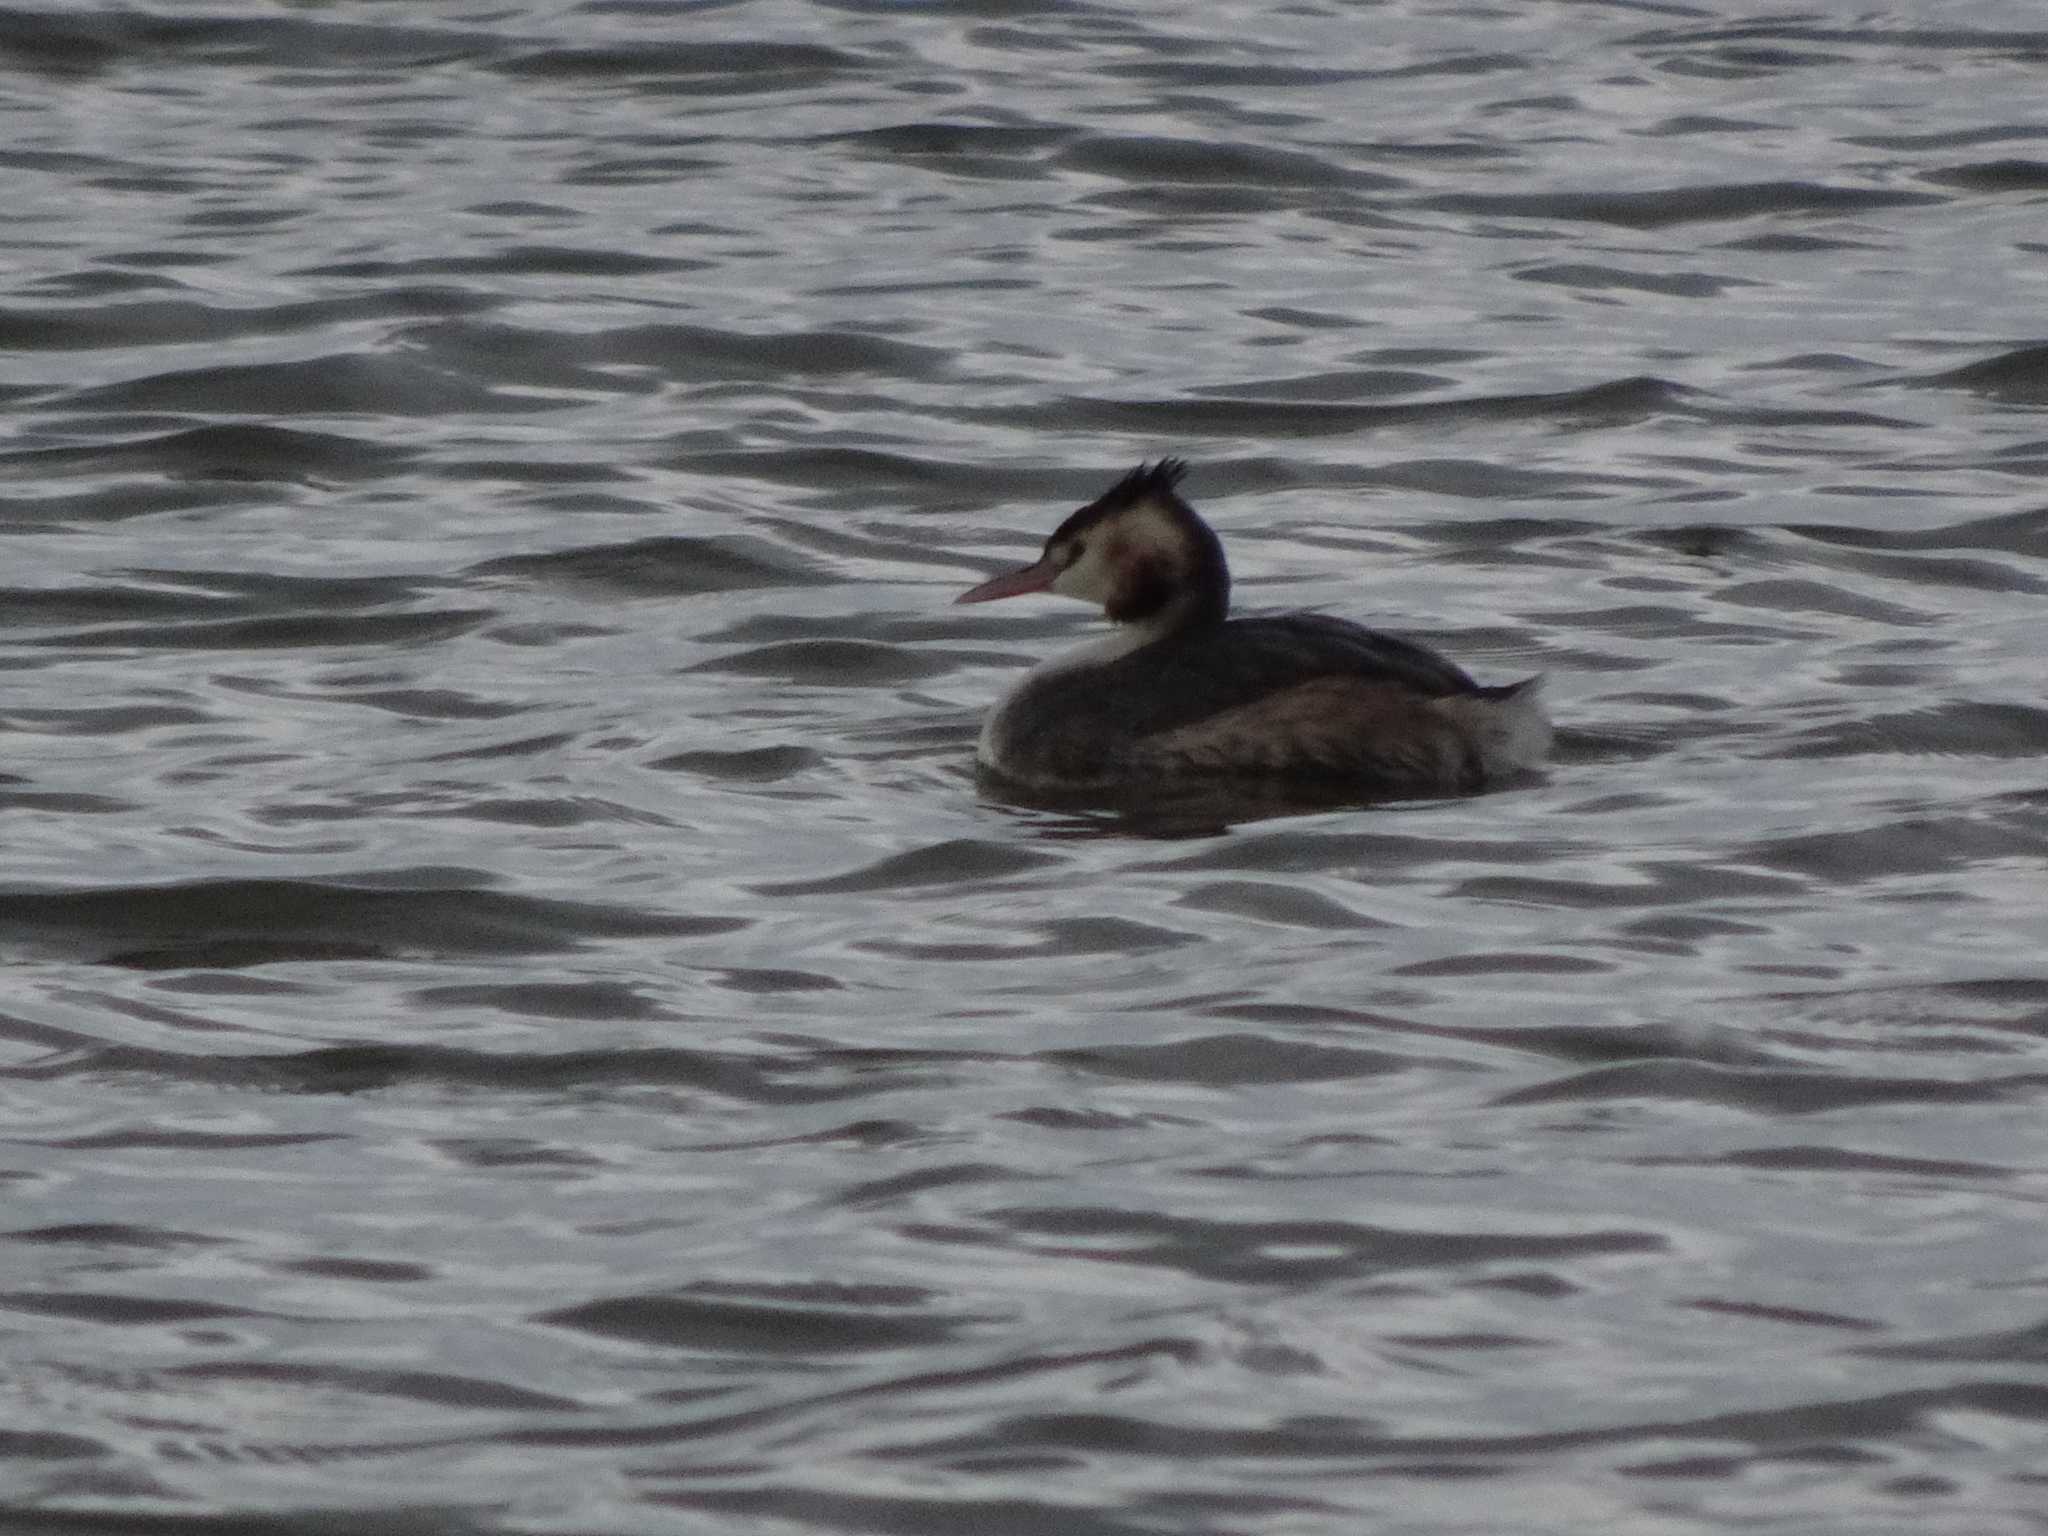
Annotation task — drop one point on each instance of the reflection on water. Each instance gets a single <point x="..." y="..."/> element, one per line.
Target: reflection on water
<point x="1171" y="809"/>
<point x="519" y="1014"/>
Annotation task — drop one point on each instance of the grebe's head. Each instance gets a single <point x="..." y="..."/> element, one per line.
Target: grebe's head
<point x="1137" y="549"/>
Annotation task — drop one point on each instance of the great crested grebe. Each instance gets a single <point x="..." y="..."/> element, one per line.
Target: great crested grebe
<point x="1183" y="693"/>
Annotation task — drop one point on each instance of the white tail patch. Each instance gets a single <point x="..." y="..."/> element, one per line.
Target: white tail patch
<point x="1511" y="731"/>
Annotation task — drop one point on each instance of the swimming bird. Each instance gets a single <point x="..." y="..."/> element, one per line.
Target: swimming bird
<point x="1180" y="693"/>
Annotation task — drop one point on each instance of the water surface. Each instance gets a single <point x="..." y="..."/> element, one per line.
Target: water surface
<point x="517" y="1015"/>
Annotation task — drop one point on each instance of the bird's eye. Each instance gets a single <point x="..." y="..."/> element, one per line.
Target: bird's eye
<point x="1075" y="551"/>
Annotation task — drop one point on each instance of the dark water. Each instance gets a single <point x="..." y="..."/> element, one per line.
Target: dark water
<point x="516" y="1016"/>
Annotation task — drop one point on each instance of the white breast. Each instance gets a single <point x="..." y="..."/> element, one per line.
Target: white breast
<point x="1098" y="652"/>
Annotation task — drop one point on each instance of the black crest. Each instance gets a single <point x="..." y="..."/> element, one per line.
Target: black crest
<point x="1154" y="481"/>
<point x="1146" y="480"/>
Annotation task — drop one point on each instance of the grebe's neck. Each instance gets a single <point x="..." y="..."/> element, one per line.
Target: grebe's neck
<point x="1170" y="573"/>
<point x="1187" y="611"/>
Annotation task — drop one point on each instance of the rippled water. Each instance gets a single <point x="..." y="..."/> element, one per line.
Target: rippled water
<point x="517" y="1017"/>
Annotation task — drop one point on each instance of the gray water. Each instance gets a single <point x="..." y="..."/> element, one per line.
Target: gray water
<point x="518" y="1017"/>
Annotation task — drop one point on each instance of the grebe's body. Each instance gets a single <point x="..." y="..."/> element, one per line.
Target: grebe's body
<point x="1183" y="693"/>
